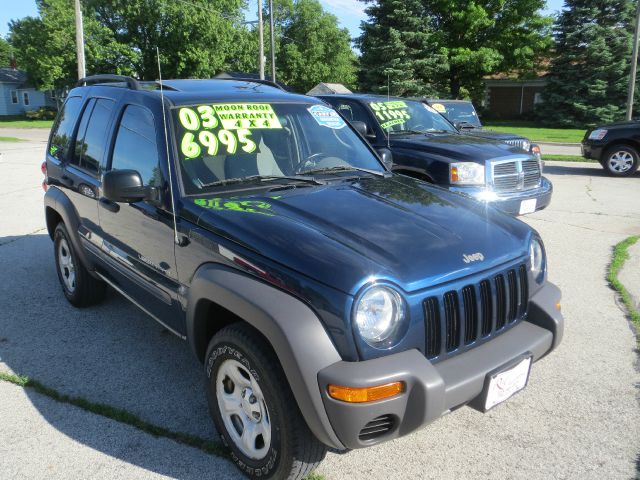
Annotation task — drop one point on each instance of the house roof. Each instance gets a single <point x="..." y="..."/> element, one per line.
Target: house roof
<point x="11" y="75"/>
<point x="327" y="88"/>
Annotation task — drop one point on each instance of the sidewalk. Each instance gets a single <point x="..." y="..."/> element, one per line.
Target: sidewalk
<point x="630" y="274"/>
<point x="559" y="148"/>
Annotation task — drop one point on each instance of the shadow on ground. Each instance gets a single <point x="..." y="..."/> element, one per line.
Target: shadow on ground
<point x="112" y="353"/>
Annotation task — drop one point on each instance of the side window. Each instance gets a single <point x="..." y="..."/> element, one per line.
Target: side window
<point x="135" y="147"/>
<point x="63" y="130"/>
<point x="14" y="96"/>
<point x="354" y="111"/>
<point x="25" y="96"/>
<point x="93" y="134"/>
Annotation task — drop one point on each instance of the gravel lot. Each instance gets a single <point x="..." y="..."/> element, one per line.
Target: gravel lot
<point x="579" y="417"/>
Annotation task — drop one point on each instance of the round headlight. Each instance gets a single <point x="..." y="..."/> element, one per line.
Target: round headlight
<point x="379" y="315"/>
<point x="536" y="251"/>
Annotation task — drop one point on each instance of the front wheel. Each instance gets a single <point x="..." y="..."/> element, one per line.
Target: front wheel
<point x="621" y="160"/>
<point x="254" y="410"/>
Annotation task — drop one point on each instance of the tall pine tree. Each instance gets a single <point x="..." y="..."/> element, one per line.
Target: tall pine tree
<point x="398" y="46"/>
<point x="590" y="72"/>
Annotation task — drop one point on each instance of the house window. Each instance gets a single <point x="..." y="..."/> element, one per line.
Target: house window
<point x="14" y="96"/>
<point x="25" y="98"/>
<point x="537" y="98"/>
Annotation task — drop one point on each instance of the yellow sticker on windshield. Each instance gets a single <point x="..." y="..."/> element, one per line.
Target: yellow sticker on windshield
<point x="246" y="115"/>
<point x="439" y="108"/>
<point x="395" y="112"/>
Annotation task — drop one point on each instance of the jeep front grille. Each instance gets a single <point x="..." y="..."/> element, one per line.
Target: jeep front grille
<point x="463" y="316"/>
<point x="515" y="175"/>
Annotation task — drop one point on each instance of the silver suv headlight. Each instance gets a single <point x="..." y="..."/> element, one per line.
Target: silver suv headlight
<point x="379" y="315"/>
<point x="538" y="259"/>
<point x="526" y="145"/>
<point x="466" y="173"/>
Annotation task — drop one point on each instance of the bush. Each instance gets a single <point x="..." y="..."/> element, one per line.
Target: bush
<point x="43" y="113"/>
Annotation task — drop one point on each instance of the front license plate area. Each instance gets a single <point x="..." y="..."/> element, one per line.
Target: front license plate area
<point x="528" y="206"/>
<point x="505" y="382"/>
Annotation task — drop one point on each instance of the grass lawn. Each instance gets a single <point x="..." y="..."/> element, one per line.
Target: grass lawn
<point x="566" y="158"/>
<point x="536" y="134"/>
<point x="26" y="123"/>
<point x="10" y="139"/>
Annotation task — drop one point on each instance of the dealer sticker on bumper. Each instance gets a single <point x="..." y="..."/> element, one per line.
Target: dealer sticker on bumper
<point x="506" y="383"/>
<point x="528" y="206"/>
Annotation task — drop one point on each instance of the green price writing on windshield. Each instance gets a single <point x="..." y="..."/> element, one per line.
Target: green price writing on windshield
<point x="234" y="121"/>
<point x="391" y="113"/>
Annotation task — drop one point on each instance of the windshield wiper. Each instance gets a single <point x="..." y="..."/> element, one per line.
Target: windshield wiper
<point x="345" y="168"/>
<point x="264" y="178"/>
<point x="438" y="130"/>
<point x="404" y="132"/>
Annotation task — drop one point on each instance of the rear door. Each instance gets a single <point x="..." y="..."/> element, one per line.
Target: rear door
<point x="138" y="237"/>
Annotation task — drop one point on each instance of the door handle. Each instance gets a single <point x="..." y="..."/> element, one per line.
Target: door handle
<point x="66" y="181"/>
<point x="109" y="205"/>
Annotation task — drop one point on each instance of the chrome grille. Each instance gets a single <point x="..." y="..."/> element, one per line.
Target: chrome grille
<point x="515" y="175"/>
<point x="461" y="317"/>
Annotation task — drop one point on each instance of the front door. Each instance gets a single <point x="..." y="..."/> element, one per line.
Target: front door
<point x="138" y="238"/>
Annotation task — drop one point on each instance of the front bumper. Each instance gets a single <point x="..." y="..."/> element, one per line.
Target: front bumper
<point x="592" y="150"/>
<point x="510" y="202"/>
<point x="435" y="389"/>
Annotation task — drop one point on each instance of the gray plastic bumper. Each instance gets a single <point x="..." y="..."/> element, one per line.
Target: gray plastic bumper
<point x="434" y="389"/>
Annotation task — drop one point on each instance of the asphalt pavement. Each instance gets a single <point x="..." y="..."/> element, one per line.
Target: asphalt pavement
<point x="579" y="417"/>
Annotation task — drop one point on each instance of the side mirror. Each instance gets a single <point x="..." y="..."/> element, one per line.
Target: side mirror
<point x="463" y="125"/>
<point x="386" y="156"/>
<point x="124" y="186"/>
<point x="360" y="127"/>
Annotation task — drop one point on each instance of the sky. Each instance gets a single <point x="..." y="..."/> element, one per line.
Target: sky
<point x="349" y="12"/>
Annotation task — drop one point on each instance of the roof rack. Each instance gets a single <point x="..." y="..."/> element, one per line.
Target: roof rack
<point x="131" y="82"/>
<point x="253" y="80"/>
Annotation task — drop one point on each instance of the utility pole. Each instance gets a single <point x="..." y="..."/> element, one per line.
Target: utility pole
<point x="634" y="65"/>
<point x="273" y="42"/>
<point x="80" y="41"/>
<point x="261" y="39"/>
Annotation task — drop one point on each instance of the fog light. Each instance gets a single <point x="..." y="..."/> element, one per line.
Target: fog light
<point x="367" y="394"/>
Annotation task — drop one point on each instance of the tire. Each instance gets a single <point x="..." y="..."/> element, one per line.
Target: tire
<point x="241" y="364"/>
<point x="78" y="286"/>
<point x="621" y="160"/>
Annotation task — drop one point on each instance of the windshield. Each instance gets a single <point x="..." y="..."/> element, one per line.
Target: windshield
<point x="458" y="112"/>
<point x="227" y="143"/>
<point x="408" y="116"/>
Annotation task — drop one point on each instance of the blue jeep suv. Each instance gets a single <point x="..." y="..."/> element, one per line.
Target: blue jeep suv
<point x="332" y="303"/>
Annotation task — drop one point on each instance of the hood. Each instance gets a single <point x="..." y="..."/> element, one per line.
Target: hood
<point x="617" y="125"/>
<point x="480" y="132"/>
<point x="348" y="233"/>
<point x="456" y="147"/>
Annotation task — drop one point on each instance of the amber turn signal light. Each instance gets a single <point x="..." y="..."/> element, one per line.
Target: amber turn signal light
<point x="367" y="394"/>
<point x="558" y="306"/>
<point x="454" y="175"/>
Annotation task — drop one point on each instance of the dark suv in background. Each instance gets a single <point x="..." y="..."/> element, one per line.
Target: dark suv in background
<point x="616" y="146"/>
<point x="463" y="115"/>
<point x="423" y="144"/>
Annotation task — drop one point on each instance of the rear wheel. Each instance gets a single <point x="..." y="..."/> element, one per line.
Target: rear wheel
<point x="621" y="160"/>
<point x="78" y="286"/>
<point x="254" y="410"/>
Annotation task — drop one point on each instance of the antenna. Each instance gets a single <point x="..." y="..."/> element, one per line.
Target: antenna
<point x="388" y="100"/>
<point x="176" y="238"/>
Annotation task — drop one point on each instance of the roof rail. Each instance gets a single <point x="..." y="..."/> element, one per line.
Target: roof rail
<point x="131" y="82"/>
<point x="254" y="80"/>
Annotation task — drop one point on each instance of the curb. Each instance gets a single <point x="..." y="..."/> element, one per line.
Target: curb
<point x="557" y="144"/>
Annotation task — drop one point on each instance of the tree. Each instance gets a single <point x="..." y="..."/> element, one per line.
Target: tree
<point x="5" y="53"/>
<point x="483" y="37"/>
<point x="399" y="48"/>
<point x="436" y="45"/>
<point x="196" y="39"/>
<point x="589" y="74"/>
<point x="313" y="48"/>
<point x="45" y="46"/>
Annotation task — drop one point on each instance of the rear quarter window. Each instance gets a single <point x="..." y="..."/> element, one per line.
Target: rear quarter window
<point x="63" y="130"/>
<point x="93" y="135"/>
